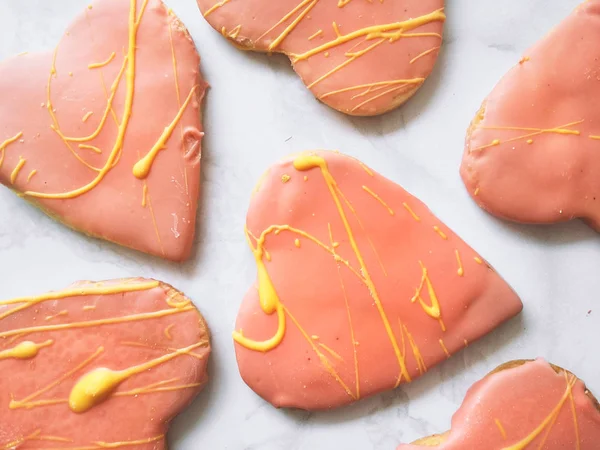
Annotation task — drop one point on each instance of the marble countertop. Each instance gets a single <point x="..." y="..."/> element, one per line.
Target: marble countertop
<point x="258" y="111"/>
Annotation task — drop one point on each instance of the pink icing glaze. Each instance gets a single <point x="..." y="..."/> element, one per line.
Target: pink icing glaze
<point x="121" y="418"/>
<point x="372" y="78"/>
<point x="521" y="399"/>
<point x="529" y="176"/>
<point x="159" y="219"/>
<point x="330" y="301"/>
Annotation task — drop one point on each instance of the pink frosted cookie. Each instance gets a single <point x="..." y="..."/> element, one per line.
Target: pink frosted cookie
<point x="103" y="133"/>
<point x="533" y="150"/>
<point x="98" y="365"/>
<point x="360" y="57"/>
<point x="522" y="405"/>
<point x="360" y="287"/>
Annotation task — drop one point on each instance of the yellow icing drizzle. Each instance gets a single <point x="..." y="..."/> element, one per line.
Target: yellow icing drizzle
<point x="432" y="310"/>
<point x="392" y="31"/>
<point x="17" y="170"/>
<point x="103" y="63"/>
<point x="142" y="168"/>
<point x="444" y="348"/>
<point x="531" y="132"/>
<point x="501" y="428"/>
<point x="24" y="350"/>
<point x="307" y="162"/>
<point x="379" y="199"/>
<point x="411" y="212"/>
<point x="547" y="422"/>
<point x="6" y="143"/>
<point x="461" y="270"/>
<point x="97" y="386"/>
<point x="31" y="175"/>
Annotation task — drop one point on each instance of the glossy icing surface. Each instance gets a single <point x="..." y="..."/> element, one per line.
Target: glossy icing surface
<point x="98" y="365"/>
<point x="532" y="151"/>
<point x="359" y="57"/>
<point x="360" y="288"/>
<point x="530" y="406"/>
<point x="104" y="132"/>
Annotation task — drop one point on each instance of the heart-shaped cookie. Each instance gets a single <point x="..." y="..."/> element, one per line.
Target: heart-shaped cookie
<point x="104" y="132"/>
<point x="98" y="365"/>
<point x="360" y="57"/>
<point x="533" y="150"/>
<point x="523" y="405"/>
<point x="360" y="288"/>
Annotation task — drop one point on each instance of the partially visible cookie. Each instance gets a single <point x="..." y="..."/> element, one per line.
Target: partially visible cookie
<point x="99" y="365"/>
<point x="359" y="288"/>
<point x="533" y="150"/>
<point x="523" y="405"/>
<point x="360" y="57"/>
<point x="104" y="132"/>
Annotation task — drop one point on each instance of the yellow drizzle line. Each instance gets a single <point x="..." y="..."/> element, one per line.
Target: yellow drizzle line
<point x="130" y="78"/>
<point x="99" y="322"/>
<point x="562" y="129"/>
<point x="17" y="443"/>
<point x="153" y="216"/>
<point x="365" y="168"/>
<point x="596" y="138"/>
<point x="62" y="313"/>
<point x="178" y="93"/>
<point x="547" y="422"/>
<point x="425" y="53"/>
<point x="330" y="351"/>
<point x="144" y="195"/>
<point x="168" y="332"/>
<point x="96" y="386"/>
<point x="461" y="270"/>
<point x="285" y="18"/>
<point x="444" y="348"/>
<point x="381" y="94"/>
<point x="17" y="169"/>
<point x="86" y="116"/>
<point x="350" y="324"/>
<point x="76" y="292"/>
<point x="440" y="232"/>
<point x="322" y="358"/>
<point x="478" y="260"/>
<point x="101" y="444"/>
<point x="25" y="350"/>
<point x="297" y="243"/>
<point x="103" y="63"/>
<point x="501" y="428"/>
<point x="90" y="147"/>
<point x="416" y="352"/>
<point x="378" y="198"/>
<point x="307" y="162"/>
<point x="215" y="7"/>
<point x="351" y="208"/>
<point x="411" y="212"/>
<point x="293" y="25"/>
<point x="141" y="169"/>
<point x="25" y="403"/>
<point x="432" y="310"/>
<point x="574" y="412"/>
<point x="6" y="143"/>
<point x="370" y="87"/>
<point x="352" y="57"/>
<point x="377" y="31"/>
<point x="318" y="33"/>
<point x="31" y="175"/>
<point x="166" y="349"/>
<point x="51" y="111"/>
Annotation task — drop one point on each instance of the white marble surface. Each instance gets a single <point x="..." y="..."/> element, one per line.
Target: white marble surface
<point x="258" y="111"/>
